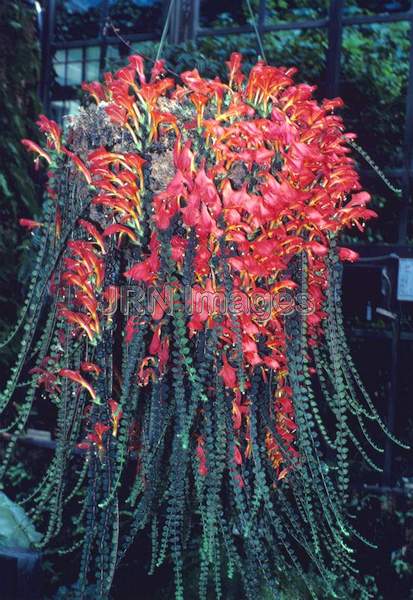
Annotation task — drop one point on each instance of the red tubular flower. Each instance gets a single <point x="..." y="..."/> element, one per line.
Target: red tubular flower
<point x="52" y="131"/>
<point x="96" y="90"/>
<point x="80" y="282"/>
<point x="228" y="373"/>
<point x="200" y="452"/>
<point x="30" y="224"/>
<point x="80" y="165"/>
<point x="80" y="320"/>
<point x="120" y="229"/>
<point x="97" y="437"/>
<point x="347" y="254"/>
<point x="237" y="456"/>
<point x="158" y="69"/>
<point x="117" y="114"/>
<point x="47" y="379"/>
<point x="143" y="271"/>
<point x="115" y="415"/>
<point x="156" y="341"/>
<point x="147" y="270"/>
<point x="33" y="147"/>
<point x="199" y="101"/>
<point x="234" y="69"/>
<point x="77" y="378"/>
<point x="93" y="232"/>
<point x="131" y="328"/>
<point x="89" y="367"/>
<point x="137" y="62"/>
<point x="160" y="118"/>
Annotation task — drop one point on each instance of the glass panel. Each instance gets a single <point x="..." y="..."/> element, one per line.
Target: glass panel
<point x="57" y="110"/>
<point x="60" y="56"/>
<point x="59" y="69"/>
<point x="374" y="7"/>
<point x="137" y="16"/>
<point x="72" y="107"/>
<point x="374" y="83"/>
<point x="92" y="52"/>
<point x="112" y="52"/>
<point x="74" y="54"/>
<point x="92" y="71"/>
<point x="60" y="109"/>
<point x="77" y="19"/>
<point x="74" y="74"/>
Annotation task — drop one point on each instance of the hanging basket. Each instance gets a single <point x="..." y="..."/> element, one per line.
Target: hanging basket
<point x="184" y="318"/>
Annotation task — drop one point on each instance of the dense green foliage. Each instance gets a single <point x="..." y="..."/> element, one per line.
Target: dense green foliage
<point x="19" y="105"/>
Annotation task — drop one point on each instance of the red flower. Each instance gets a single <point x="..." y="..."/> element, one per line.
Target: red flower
<point x="80" y="320"/>
<point x="131" y="328"/>
<point x="30" y="224"/>
<point x="33" y="147"/>
<point x="157" y="69"/>
<point x="115" y="415"/>
<point x="347" y="254"/>
<point x="89" y="367"/>
<point x="228" y="373"/>
<point x="93" y="232"/>
<point x="156" y="341"/>
<point x="200" y="452"/>
<point x="96" y="437"/>
<point x="96" y="90"/>
<point x="234" y="69"/>
<point x="52" y="131"/>
<point x="79" y="165"/>
<point x="77" y="378"/>
<point x="117" y="114"/>
<point x="137" y="62"/>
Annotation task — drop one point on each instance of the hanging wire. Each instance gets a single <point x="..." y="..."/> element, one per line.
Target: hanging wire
<point x="165" y="30"/>
<point x="129" y="45"/>
<point x="257" y="33"/>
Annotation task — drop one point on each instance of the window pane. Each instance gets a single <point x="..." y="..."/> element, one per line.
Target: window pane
<point x="74" y="54"/>
<point x="92" y="52"/>
<point x="60" y="56"/>
<point x="59" y="69"/>
<point x="112" y="52"/>
<point x="72" y="107"/>
<point x="92" y="71"/>
<point x="74" y="74"/>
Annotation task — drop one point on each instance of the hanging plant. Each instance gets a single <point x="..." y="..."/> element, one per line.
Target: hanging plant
<point x="184" y="319"/>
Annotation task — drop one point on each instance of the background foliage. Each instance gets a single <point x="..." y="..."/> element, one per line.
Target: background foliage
<point x="19" y="107"/>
